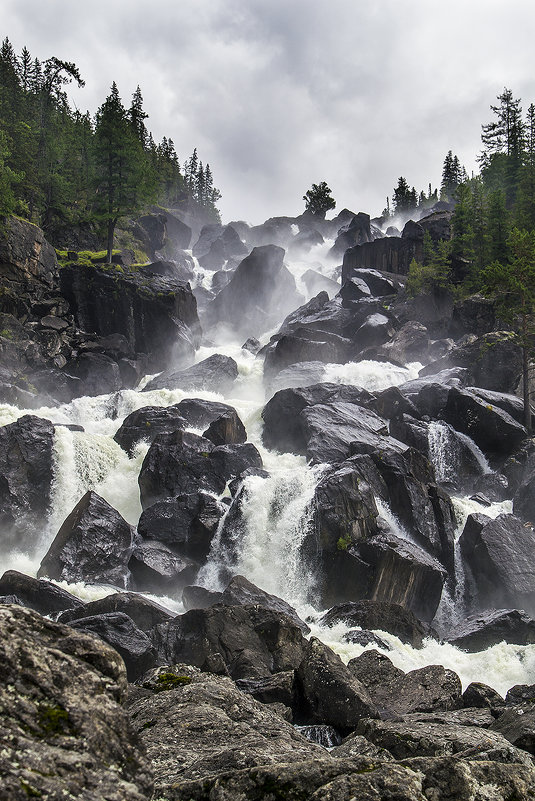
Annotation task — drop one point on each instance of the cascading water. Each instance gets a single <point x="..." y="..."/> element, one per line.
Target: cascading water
<point x="274" y="510"/>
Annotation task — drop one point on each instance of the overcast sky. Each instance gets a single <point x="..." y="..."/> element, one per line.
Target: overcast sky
<point x="278" y="94"/>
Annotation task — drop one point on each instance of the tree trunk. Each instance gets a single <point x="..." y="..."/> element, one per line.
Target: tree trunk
<point x="111" y="231"/>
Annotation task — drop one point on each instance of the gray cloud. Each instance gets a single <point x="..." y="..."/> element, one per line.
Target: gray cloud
<point x="277" y="95"/>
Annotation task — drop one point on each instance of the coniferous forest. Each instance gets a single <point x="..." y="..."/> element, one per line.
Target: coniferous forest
<point x="61" y="168"/>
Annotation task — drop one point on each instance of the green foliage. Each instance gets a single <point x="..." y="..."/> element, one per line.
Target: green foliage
<point x="343" y="543"/>
<point x="53" y="719"/>
<point x="433" y="273"/>
<point x="319" y="200"/>
<point x="53" y="158"/>
<point x="169" y="681"/>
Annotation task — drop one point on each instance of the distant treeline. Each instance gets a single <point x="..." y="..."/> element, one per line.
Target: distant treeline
<point x="61" y="168"/>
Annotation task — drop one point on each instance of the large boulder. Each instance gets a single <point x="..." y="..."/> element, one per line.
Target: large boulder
<point x="379" y="616"/>
<point x="331" y="694"/>
<point x="38" y="594"/>
<point x="217" y="373"/>
<point x="145" y="614"/>
<point x="145" y="424"/>
<point x="242" y="592"/>
<point x="215" y="247"/>
<point x="242" y="641"/>
<point x="96" y="374"/>
<point x="157" y="568"/>
<point x="184" y="463"/>
<point x="429" y="689"/>
<point x="93" y="545"/>
<point x="196" y="725"/>
<point x="26" y="476"/>
<point x="28" y="263"/>
<point x="187" y="523"/>
<point x="259" y="292"/>
<point x="499" y="556"/>
<point x="354" y="233"/>
<point x="158" y="317"/>
<point x="63" y="732"/>
<point x="481" y="631"/>
<point x="120" y="631"/>
<point x="517" y="725"/>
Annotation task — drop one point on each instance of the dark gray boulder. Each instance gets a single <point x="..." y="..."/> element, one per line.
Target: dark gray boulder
<point x="331" y="694"/>
<point x="200" y="413"/>
<point x="26" y="476"/>
<point x="38" y="594"/>
<point x="195" y="597"/>
<point x="217" y="373"/>
<point x="187" y="523"/>
<point x="429" y="689"/>
<point x="146" y="423"/>
<point x="517" y="725"/>
<point x="97" y="374"/>
<point x="155" y="567"/>
<point x="481" y="696"/>
<point x="120" y="631"/>
<point x="241" y="641"/>
<point x="481" y="631"/>
<point x="226" y="430"/>
<point x="183" y="463"/>
<point x="242" y="592"/>
<point x="93" y="545"/>
<point x="499" y="555"/>
<point x="260" y="290"/>
<point x="145" y="614"/>
<point x="369" y="614"/>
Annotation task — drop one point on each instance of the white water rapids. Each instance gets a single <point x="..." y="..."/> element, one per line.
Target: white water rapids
<point x="274" y="511"/>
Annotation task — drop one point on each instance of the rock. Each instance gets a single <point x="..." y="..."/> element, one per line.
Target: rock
<point x="93" y="545"/>
<point x="217" y="373"/>
<point x="405" y="740"/>
<point x="258" y="293"/>
<point x="208" y="235"/>
<point x="156" y="568"/>
<point x="194" y="597"/>
<point x="379" y="616"/>
<point x="524" y="499"/>
<point x="481" y="631"/>
<point x="187" y="523"/>
<point x="151" y="229"/>
<point x="97" y="374"/>
<point x="158" y="318"/>
<point x="226" y="430"/>
<point x="120" y="631"/>
<point x="300" y="374"/>
<point x="364" y="638"/>
<point x="316" y="282"/>
<point x="305" y="346"/>
<point x="491" y="428"/>
<point x="203" y="726"/>
<point x="145" y="424"/>
<point x="429" y="689"/>
<point x="355" y="746"/>
<point x="26" y="476"/>
<point x="38" y="594"/>
<point x="242" y="641"/>
<point x="200" y="413"/>
<point x="483" y="697"/>
<point x="252" y="345"/>
<point x="330" y="430"/>
<point x="355" y="233"/>
<point x="145" y="614"/>
<point x="278" y="688"/>
<point x="241" y="592"/>
<point x="226" y="245"/>
<point x="520" y="693"/>
<point x="517" y="725"/>
<point x="500" y="558"/>
<point x="182" y="463"/>
<point x="63" y="731"/>
<point x="409" y="344"/>
<point x="493" y="361"/>
<point x="331" y="694"/>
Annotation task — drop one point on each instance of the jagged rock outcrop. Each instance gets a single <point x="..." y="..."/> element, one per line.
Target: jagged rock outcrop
<point x="217" y="373"/>
<point x="158" y="317"/>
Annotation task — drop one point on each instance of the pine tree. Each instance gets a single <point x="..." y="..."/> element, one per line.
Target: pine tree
<point x="404" y="199"/>
<point x="137" y="116"/>
<point x="121" y="166"/>
<point x="318" y="199"/>
<point x="525" y="202"/>
<point x="498" y="226"/>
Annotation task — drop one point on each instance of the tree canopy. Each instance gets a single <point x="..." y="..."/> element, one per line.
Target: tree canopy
<point x="319" y="200"/>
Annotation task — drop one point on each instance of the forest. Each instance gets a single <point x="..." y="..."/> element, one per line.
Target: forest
<point x="61" y="168"/>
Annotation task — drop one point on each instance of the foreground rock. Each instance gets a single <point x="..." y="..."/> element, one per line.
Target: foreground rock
<point x="38" y="594"/>
<point x="63" y="733"/>
<point x="195" y="725"/>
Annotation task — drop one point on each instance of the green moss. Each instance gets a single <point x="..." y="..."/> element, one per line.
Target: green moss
<point x="148" y="725"/>
<point x="169" y="681"/>
<point x="53" y="719"/>
<point x="343" y="543"/>
<point x="6" y="333"/>
<point x="31" y="792"/>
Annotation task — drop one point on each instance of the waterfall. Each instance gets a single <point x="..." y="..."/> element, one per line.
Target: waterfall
<point x="445" y="452"/>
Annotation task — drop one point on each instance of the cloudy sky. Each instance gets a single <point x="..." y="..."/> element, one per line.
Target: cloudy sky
<point x="278" y="94"/>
